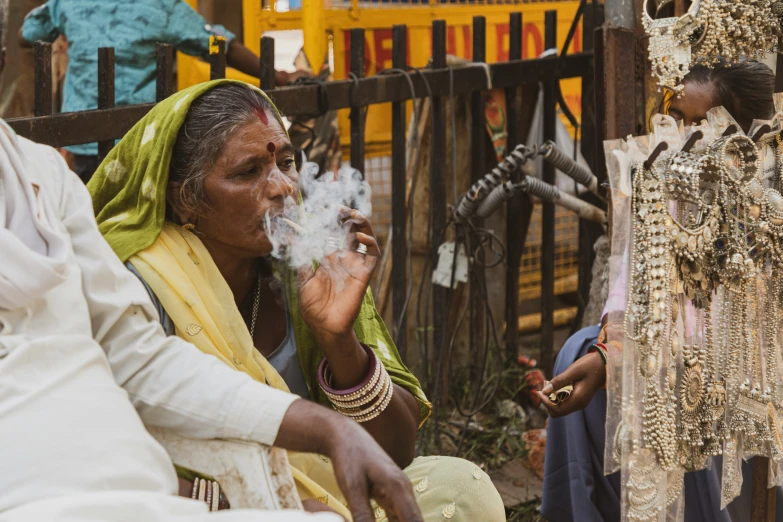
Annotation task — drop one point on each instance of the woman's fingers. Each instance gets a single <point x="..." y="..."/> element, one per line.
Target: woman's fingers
<point x="587" y="375"/>
<point x="358" y="222"/>
<point x="358" y="498"/>
<point x="373" y="251"/>
<point x="551" y="408"/>
<point x="398" y="501"/>
<point x="579" y="399"/>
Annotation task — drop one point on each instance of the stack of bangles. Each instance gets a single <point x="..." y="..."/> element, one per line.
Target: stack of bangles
<point x="209" y="491"/>
<point x="364" y="401"/>
<point x="601" y="349"/>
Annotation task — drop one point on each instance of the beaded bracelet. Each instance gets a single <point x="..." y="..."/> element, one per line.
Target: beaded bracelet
<point x="365" y="401"/>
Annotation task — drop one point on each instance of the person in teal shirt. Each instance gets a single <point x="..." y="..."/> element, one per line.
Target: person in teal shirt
<point x="132" y="28"/>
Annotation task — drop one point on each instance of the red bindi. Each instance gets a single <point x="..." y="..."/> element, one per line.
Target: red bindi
<point x="261" y="113"/>
<point x="271" y="147"/>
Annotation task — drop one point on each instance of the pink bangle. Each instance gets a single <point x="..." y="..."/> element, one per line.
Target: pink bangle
<point x="322" y="369"/>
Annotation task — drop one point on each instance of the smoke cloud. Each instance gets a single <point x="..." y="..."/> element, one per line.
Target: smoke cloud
<point x="309" y="231"/>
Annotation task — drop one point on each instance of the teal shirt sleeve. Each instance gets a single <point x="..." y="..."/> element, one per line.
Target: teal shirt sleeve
<point x="42" y="23"/>
<point x="190" y="33"/>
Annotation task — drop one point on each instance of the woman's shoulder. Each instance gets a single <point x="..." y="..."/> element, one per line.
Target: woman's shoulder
<point x="165" y="320"/>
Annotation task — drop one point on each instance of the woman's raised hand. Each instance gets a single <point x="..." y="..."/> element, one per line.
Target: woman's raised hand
<point x="330" y="298"/>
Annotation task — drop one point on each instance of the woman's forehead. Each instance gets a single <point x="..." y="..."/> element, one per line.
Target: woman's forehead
<point x="259" y="133"/>
<point x="696" y="98"/>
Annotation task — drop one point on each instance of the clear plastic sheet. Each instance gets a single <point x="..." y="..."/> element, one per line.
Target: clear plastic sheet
<point x="703" y="356"/>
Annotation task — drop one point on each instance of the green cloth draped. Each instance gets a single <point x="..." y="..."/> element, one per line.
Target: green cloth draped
<point x="129" y="198"/>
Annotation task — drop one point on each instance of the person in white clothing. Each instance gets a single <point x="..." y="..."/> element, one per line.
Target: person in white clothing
<point x="85" y="365"/>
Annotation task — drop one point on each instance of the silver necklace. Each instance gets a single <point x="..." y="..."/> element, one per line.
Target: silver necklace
<point x="255" y="308"/>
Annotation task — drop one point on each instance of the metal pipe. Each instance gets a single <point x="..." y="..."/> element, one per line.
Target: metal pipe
<point x="569" y="167"/>
<point x="552" y="194"/>
<point x="620" y="13"/>
<point x="505" y="170"/>
<point x="545" y="192"/>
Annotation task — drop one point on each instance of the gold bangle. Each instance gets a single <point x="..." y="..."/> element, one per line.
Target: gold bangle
<point x="215" y="497"/>
<point x="381" y="407"/>
<point x="358" y="411"/>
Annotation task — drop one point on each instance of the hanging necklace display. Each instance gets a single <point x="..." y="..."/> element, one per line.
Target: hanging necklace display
<point x="711" y="31"/>
<point x="705" y="276"/>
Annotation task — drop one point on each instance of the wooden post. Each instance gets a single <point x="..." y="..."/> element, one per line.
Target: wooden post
<point x="547" y="264"/>
<point x="478" y="161"/>
<point x="217" y="57"/>
<point x="588" y="232"/>
<point x="164" y="75"/>
<point x="762" y="503"/>
<point x="519" y="209"/>
<point x="615" y="99"/>
<point x="399" y="236"/>
<point x="440" y="295"/>
<point x="267" y="58"/>
<point x="105" y="92"/>
<point x="43" y="79"/>
<point x="357" y="113"/>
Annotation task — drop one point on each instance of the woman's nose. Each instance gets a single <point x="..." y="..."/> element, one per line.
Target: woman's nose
<point x="279" y="185"/>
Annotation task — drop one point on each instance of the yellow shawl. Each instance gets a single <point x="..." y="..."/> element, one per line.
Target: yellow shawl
<point x="198" y="300"/>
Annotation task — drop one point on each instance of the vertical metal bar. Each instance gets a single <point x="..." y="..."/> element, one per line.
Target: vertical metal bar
<point x="267" y="80"/>
<point x="479" y="118"/>
<point x="518" y="209"/>
<point x="43" y="79"/>
<point x="762" y="503"/>
<point x="357" y="113"/>
<point x="164" y="75"/>
<point x="217" y="57"/>
<point x="478" y="137"/>
<point x="548" y="214"/>
<point x="588" y="232"/>
<point x="105" y="92"/>
<point x="399" y="274"/>
<point x="440" y="295"/>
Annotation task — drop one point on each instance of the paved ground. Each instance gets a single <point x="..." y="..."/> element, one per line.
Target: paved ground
<point x="517" y="483"/>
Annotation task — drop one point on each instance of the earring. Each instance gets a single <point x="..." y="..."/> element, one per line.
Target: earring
<point x="189" y="226"/>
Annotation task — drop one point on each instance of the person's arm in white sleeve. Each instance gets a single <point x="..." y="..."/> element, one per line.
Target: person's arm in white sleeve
<point x="170" y="382"/>
<point x="175" y="386"/>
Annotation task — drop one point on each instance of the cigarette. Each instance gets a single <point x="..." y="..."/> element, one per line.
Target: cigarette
<point x="297" y="227"/>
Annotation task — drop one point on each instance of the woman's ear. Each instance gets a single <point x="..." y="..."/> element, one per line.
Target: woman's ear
<point x="181" y="214"/>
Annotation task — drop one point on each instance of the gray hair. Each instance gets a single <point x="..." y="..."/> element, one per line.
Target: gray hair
<point x="212" y="118"/>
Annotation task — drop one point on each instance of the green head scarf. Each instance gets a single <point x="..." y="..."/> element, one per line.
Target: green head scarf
<point x="129" y="198"/>
<point x="129" y="188"/>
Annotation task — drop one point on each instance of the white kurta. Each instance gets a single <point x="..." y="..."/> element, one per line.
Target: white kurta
<point x="84" y="367"/>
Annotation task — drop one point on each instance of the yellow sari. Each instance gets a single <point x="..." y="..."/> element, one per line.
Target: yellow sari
<point x="198" y="300"/>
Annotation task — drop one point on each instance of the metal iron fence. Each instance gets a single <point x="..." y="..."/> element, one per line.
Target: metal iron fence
<point x="109" y="122"/>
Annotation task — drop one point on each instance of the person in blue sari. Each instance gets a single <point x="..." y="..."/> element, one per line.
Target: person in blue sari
<point x="575" y="486"/>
